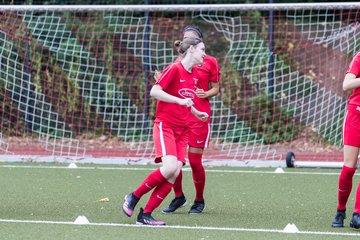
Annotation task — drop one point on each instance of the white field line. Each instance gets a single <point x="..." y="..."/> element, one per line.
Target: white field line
<point x="181" y="227"/>
<point x="186" y="169"/>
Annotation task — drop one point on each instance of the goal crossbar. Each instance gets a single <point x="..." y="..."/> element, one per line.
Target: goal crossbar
<point x="181" y="7"/>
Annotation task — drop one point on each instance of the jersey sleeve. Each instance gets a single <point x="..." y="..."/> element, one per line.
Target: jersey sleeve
<point x="354" y="66"/>
<point x="214" y="70"/>
<point x="167" y="76"/>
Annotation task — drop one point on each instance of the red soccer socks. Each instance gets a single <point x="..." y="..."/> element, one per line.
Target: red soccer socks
<point x="345" y="186"/>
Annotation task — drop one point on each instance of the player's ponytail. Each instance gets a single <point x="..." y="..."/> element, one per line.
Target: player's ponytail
<point x="183" y="46"/>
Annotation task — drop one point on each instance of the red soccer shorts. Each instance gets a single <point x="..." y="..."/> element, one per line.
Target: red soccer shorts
<point x="199" y="134"/>
<point x="351" y="129"/>
<point x="170" y="140"/>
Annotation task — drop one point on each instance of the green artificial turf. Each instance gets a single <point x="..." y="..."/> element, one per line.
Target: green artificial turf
<point x="242" y="203"/>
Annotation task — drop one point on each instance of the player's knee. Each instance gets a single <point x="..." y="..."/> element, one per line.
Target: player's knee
<point x="350" y="162"/>
<point x="170" y="170"/>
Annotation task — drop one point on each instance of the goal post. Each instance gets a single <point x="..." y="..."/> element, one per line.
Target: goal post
<point x="75" y="79"/>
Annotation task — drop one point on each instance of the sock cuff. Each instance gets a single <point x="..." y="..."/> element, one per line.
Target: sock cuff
<point x="349" y="169"/>
<point x="168" y="184"/>
<point x="158" y="176"/>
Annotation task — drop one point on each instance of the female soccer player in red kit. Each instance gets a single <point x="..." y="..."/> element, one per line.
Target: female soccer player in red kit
<point x="174" y="91"/>
<point x="207" y="87"/>
<point x="351" y="141"/>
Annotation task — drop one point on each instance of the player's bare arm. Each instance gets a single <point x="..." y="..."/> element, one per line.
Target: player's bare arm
<point x="350" y="82"/>
<point x="158" y="93"/>
<point x="213" y="91"/>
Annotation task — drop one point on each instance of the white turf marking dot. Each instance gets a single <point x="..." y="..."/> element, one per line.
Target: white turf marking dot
<point x="72" y="165"/>
<point x="81" y="220"/>
<point x="291" y="228"/>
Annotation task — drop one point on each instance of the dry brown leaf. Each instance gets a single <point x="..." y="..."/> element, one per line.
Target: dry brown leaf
<point x="104" y="200"/>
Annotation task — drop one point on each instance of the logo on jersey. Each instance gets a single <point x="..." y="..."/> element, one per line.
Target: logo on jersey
<point x="182" y="80"/>
<point x="196" y="81"/>
<point x="187" y="93"/>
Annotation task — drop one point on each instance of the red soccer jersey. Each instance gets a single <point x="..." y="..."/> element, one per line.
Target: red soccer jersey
<point x="178" y="82"/>
<point x="354" y="68"/>
<point x="208" y="72"/>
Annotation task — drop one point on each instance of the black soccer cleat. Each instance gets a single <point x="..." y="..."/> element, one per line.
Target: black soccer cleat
<point x="176" y="203"/>
<point x="355" y="221"/>
<point x="130" y="202"/>
<point x="338" y="220"/>
<point x="198" y="207"/>
<point x="147" y="219"/>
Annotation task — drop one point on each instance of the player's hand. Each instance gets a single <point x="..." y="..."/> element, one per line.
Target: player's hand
<point x="157" y="75"/>
<point x="201" y="93"/>
<point x="202" y="116"/>
<point x="186" y="102"/>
